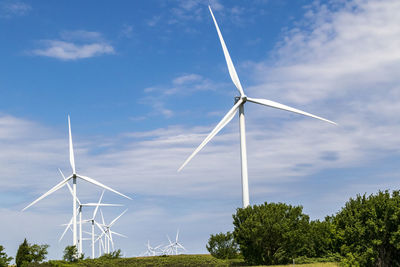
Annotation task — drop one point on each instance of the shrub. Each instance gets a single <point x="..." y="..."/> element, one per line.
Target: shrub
<point x="272" y="233"/>
<point x="113" y="255"/>
<point x="223" y="246"/>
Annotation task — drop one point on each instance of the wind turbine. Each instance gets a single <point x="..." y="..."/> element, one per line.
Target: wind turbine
<point x="91" y="220"/>
<point x="106" y="230"/>
<point x="150" y="250"/>
<point x="173" y="246"/>
<point x="74" y="177"/>
<point x="239" y="105"/>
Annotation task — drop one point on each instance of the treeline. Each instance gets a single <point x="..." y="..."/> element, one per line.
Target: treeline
<point x="365" y="232"/>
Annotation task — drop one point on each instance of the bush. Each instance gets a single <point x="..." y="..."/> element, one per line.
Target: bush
<point x="113" y="255"/>
<point x="223" y="246"/>
<point x="272" y="233"/>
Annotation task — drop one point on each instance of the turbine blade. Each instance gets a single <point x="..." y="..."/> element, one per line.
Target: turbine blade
<point x="277" y="105"/>
<point x="225" y="120"/>
<point x="71" y="148"/>
<point x="97" y="207"/>
<point x="101" y="205"/>
<point x="177" y="235"/>
<point x="55" y="188"/>
<point x="90" y="180"/>
<point x="65" y="230"/>
<point x="231" y="68"/>
<point x="118" y="234"/>
<point x="117" y="218"/>
<point x="170" y="242"/>
<point x="99" y="226"/>
<point x="102" y="217"/>
<point x="69" y="187"/>
<point x="180" y="245"/>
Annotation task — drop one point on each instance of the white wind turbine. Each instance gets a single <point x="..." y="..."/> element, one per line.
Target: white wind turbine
<point x="173" y="247"/>
<point x="239" y="105"/>
<point x="91" y="220"/>
<point x="106" y="230"/>
<point x="74" y="177"/>
<point x="150" y="250"/>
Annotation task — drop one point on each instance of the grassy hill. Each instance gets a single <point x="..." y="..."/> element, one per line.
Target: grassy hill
<point x="176" y="261"/>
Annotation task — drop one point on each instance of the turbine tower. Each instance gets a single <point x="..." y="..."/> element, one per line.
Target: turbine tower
<point x="74" y="177"/>
<point x="239" y="105"/>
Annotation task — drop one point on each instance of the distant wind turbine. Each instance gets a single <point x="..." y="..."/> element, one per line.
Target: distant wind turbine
<point x="239" y="105"/>
<point x="106" y="230"/>
<point x="74" y="177"/>
<point x="173" y="247"/>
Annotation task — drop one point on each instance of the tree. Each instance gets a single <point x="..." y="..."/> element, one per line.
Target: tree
<point x="368" y="229"/>
<point x="273" y="233"/>
<point x="71" y="254"/>
<point x="30" y="253"/>
<point x="223" y="246"/>
<point x="4" y="259"/>
<point x="38" y="252"/>
<point x="22" y="253"/>
<point x="322" y="238"/>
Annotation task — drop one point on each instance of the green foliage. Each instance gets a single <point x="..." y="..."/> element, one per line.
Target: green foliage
<point x="22" y="253"/>
<point x="71" y="254"/>
<point x="30" y="253"/>
<point x="4" y="259"/>
<point x="113" y="255"/>
<point x="368" y="230"/>
<point x="272" y="233"/>
<point x="223" y="246"/>
<point x="172" y="261"/>
<point x="38" y="253"/>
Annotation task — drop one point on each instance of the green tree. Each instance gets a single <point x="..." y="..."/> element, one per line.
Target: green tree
<point x="71" y="254"/>
<point x="38" y="252"/>
<point x="223" y="246"/>
<point x="322" y="238"/>
<point x="368" y="229"/>
<point x="273" y="233"/>
<point x="22" y="253"/>
<point x="4" y="259"/>
<point x="30" y="253"/>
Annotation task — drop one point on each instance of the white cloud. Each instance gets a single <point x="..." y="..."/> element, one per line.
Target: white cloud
<point x="10" y="9"/>
<point x="75" y="45"/>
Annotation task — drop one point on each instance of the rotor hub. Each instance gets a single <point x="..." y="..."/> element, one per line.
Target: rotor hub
<point x="243" y="98"/>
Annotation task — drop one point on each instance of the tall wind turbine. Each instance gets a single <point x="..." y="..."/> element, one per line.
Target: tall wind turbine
<point x="239" y="105"/>
<point x="74" y="177"/>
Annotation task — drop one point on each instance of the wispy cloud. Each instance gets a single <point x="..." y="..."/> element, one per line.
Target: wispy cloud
<point x="159" y="97"/>
<point x="75" y="45"/>
<point x="9" y="9"/>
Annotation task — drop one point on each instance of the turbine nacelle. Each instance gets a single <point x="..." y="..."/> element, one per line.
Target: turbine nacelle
<point x="243" y="98"/>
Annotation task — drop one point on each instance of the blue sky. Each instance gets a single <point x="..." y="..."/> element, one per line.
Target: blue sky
<point x="145" y="81"/>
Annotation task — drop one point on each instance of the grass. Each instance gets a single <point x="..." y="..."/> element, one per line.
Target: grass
<point x="175" y="261"/>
